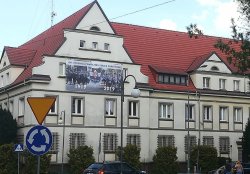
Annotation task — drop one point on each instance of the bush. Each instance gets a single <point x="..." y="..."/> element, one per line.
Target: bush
<point x="8" y="159"/>
<point x="164" y="161"/>
<point x="30" y="163"/>
<point x="221" y="161"/>
<point x="80" y="158"/>
<point x="207" y="157"/>
<point x="131" y="155"/>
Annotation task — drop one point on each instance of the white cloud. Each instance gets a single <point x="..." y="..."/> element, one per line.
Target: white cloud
<point x="202" y="16"/>
<point x="168" y="24"/>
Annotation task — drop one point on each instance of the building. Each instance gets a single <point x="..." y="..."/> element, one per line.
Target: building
<point x="187" y="87"/>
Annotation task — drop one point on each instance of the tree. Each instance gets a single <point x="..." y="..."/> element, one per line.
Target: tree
<point x="29" y="165"/>
<point x="236" y="49"/>
<point x="8" y="159"/>
<point x="164" y="161"/>
<point x="246" y="143"/>
<point x="80" y="158"/>
<point x="131" y="155"/>
<point x="207" y="157"/>
<point x="8" y="127"/>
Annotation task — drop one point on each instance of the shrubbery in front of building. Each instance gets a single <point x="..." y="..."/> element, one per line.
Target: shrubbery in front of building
<point x="80" y="158"/>
<point x="207" y="157"/>
<point x="165" y="161"/>
<point x="8" y="159"/>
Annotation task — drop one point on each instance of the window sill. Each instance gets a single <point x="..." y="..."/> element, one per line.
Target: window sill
<point x="237" y="122"/>
<point x="133" y="117"/>
<point x="102" y="51"/>
<point x="77" y="115"/>
<point x="166" y="119"/>
<point x="207" y="121"/>
<point x="110" y="116"/>
<point x="190" y="120"/>
<point x="223" y="121"/>
<point x="52" y="114"/>
<point x="61" y="76"/>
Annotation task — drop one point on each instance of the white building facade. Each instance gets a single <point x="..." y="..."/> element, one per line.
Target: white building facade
<point x="81" y="61"/>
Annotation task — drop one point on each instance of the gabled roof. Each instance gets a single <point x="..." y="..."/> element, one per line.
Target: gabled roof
<point x="48" y="42"/>
<point x="19" y="56"/>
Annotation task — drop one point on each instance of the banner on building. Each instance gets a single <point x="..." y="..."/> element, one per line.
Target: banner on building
<point x="93" y="76"/>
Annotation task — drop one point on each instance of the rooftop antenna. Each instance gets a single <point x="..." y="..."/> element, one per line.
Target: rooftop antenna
<point x="53" y="14"/>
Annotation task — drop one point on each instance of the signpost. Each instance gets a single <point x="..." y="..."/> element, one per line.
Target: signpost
<point x="39" y="138"/>
<point x="18" y="148"/>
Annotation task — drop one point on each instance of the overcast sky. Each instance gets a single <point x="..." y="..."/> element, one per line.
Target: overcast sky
<point x="22" y="20"/>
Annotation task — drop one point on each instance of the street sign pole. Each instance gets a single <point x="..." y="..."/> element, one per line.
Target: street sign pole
<point x="38" y="164"/>
<point x="18" y="160"/>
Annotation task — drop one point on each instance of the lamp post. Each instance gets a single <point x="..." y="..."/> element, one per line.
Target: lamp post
<point x="188" y="137"/>
<point x="135" y="93"/>
<point x="61" y="121"/>
<point x="199" y="137"/>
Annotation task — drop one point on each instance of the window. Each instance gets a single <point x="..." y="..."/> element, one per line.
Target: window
<point x="62" y="69"/>
<point x="77" y="106"/>
<point x="236" y="85"/>
<point x="222" y="84"/>
<point x="53" y="109"/>
<point x="189" y="112"/>
<point x="110" y="142"/>
<point x="76" y="140"/>
<point x="95" y="45"/>
<point x="206" y="81"/>
<point x="21" y="106"/>
<point x="133" y="109"/>
<point x="208" y="141"/>
<point x="224" y="145"/>
<point x="214" y="68"/>
<point x="106" y="47"/>
<point x="165" y="140"/>
<point x="172" y="79"/>
<point x="110" y="106"/>
<point x="207" y="113"/>
<point x="82" y="43"/>
<point x="192" y="142"/>
<point x="134" y="139"/>
<point x="223" y="113"/>
<point x="237" y="114"/>
<point x="55" y="142"/>
<point x="95" y="28"/>
<point x="166" y="110"/>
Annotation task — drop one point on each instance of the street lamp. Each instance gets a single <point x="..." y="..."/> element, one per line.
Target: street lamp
<point x="135" y="93"/>
<point x="61" y="121"/>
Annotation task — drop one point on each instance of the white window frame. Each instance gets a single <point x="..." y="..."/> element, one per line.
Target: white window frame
<point x="109" y="142"/>
<point x="165" y="141"/>
<point x="54" y="108"/>
<point x="191" y="114"/>
<point x="208" y="141"/>
<point x="76" y="101"/>
<point x="133" y="108"/>
<point x="236" y="85"/>
<point x="224" y="145"/>
<point x="55" y="143"/>
<point x="222" y="84"/>
<point x="110" y="107"/>
<point x="223" y="113"/>
<point x="76" y="140"/>
<point x="134" y="139"/>
<point x="62" y="69"/>
<point x="238" y="113"/>
<point x="95" y="45"/>
<point x="106" y="47"/>
<point x="206" y="82"/>
<point x="207" y="113"/>
<point x="166" y="110"/>
<point x="21" y="106"/>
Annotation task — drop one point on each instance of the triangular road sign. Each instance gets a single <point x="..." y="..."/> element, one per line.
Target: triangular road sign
<point x="19" y="148"/>
<point x="41" y="106"/>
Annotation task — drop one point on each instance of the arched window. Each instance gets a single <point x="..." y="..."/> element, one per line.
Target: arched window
<point x="215" y="68"/>
<point x="4" y="64"/>
<point x="95" y="28"/>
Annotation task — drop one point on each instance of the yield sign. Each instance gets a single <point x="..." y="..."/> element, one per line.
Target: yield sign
<point x="40" y="106"/>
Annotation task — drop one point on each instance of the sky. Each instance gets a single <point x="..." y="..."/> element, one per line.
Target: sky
<point x="23" y="20"/>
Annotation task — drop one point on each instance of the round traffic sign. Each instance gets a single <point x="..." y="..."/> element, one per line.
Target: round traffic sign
<point x="39" y="140"/>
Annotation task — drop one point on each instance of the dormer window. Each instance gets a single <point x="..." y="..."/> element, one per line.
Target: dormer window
<point x="106" y="47"/>
<point x="172" y="79"/>
<point x="95" y="45"/>
<point x="214" y="68"/>
<point x="95" y="28"/>
<point x="82" y="43"/>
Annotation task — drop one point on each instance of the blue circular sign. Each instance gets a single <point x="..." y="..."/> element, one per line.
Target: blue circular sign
<point x="39" y="140"/>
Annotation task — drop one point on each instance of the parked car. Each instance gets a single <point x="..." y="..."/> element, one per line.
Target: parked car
<point x="246" y="168"/>
<point x="111" y="168"/>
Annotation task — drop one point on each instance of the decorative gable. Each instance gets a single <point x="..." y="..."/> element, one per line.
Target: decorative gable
<point x="4" y="61"/>
<point x="95" y="20"/>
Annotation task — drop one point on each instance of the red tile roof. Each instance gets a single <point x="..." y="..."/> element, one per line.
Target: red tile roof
<point x="164" y="50"/>
<point x="46" y="43"/>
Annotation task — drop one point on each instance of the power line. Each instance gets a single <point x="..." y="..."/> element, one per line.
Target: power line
<point x="137" y="11"/>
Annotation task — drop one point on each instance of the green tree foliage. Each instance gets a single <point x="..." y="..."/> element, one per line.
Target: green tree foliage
<point x="246" y="143"/>
<point x="8" y="159"/>
<point x="132" y="155"/>
<point x="8" y="127"/>
<point x="164" y="161"/>
<point x="80" y="158"/>
<point x="29" y="165"/>
<point x="207" y="157"/>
